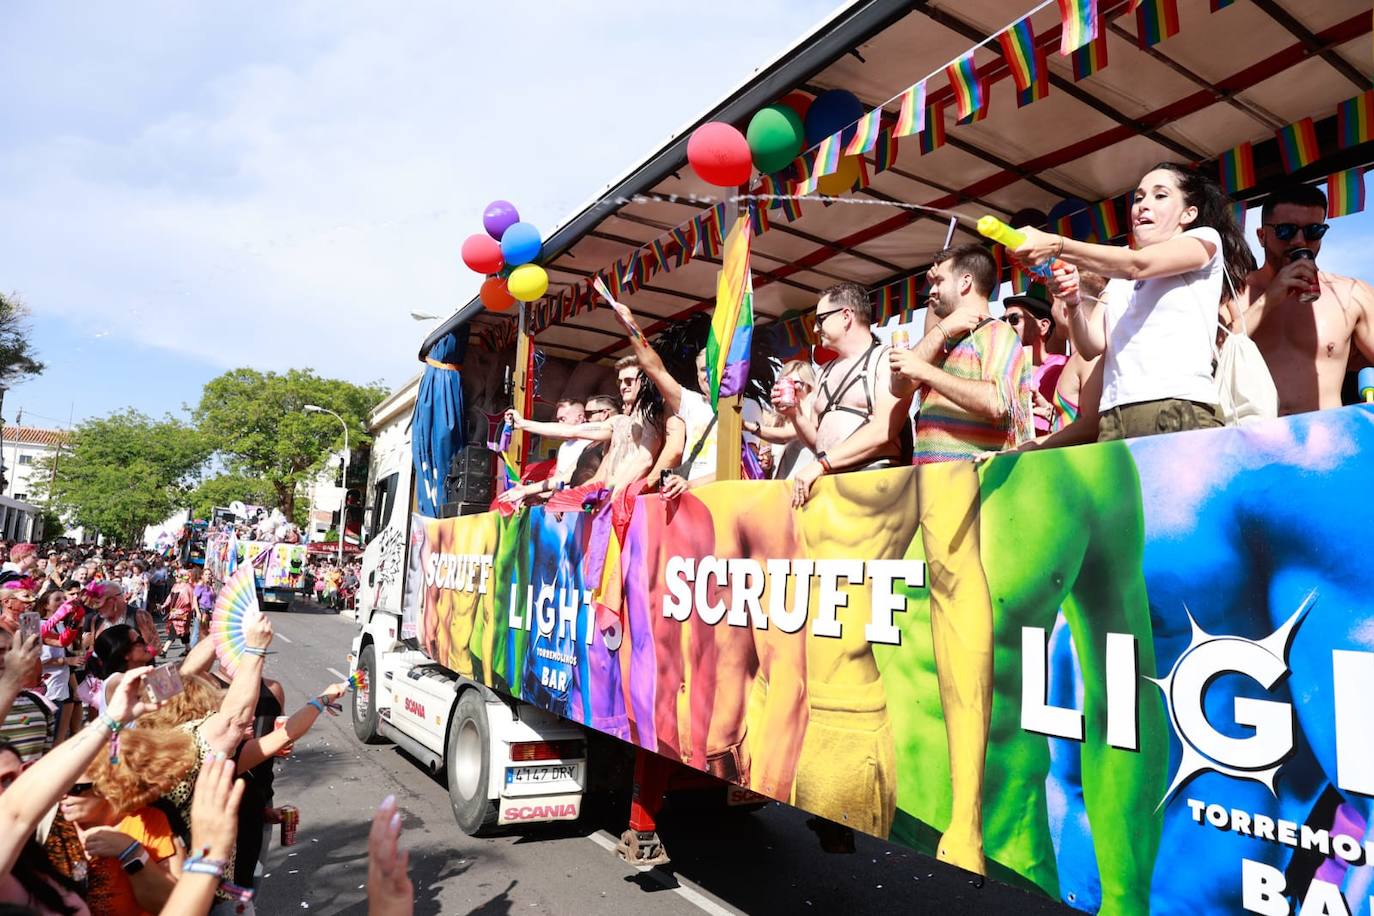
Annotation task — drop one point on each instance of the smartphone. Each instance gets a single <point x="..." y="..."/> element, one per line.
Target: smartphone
<point x="29" y="622"/>
<point x="163" y="683"/>
<point x="663" y="477"/>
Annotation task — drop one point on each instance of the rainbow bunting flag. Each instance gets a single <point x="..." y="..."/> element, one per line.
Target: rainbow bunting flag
<point x="1106" y="221"/>
<point x="933" y="137"/>
<point x="999" y="258"/>
<point x="1345" y="193"/>
<point x="887" y="305"/>
<point x="686" y="238"/>
<point x="617" y="277"/>
<point x="912" y="117"/>
<point x="1079" y="19"/>
<point x="758" y="218"/>
<point x="827" y="162"/>
<point x="1063" y="225"/>
<point x="911" y="297"/>
<point x="969" y="92"/>
<point x="978" y="114"/>
<point x="791" y="208"/>
<point x="866" y="135"/>
<point x="708" y="231"/>
<point x="660" y="255"/>
<point x="1355" y="119"/>
<point x="1155" y="21"/>
<point x="1090" y="58"/>
<point x="1237" y="168"/>
<point x="1021" y="278"/>
<point x="886" y="152"/>
<point x="732" y="324"/>
<point x="864" y="179"/>
<point x="1218" y="5"/>
<point x="1298" y="145"/>
<point x="1027" y="63"/>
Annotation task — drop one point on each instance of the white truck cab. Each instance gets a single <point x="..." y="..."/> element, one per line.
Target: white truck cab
<point x="507" y="762"/>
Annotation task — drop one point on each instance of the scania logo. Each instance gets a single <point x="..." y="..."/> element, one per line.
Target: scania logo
<point x="414" y="708"/>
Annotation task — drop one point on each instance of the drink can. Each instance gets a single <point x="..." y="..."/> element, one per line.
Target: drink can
<point x="277" y="726"/>
<point x="901" y="339"/>
<point x="787" y="392"/>
<point x="290" y="821"/>
<point x="1305" y="254"/>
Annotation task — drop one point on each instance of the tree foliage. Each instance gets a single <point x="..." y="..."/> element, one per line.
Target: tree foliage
<point x="224" y="489"/>
<point x="257" y="421"/>
<point x="123" y="472"/>
<point x="17" y="357"/>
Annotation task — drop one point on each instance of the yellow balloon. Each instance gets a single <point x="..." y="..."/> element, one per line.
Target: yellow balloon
<point x="528" y="282"/>
<point x="840" y="182"/>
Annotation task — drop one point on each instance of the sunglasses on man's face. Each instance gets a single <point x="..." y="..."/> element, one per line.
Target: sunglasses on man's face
<point x="1286" y="232"/>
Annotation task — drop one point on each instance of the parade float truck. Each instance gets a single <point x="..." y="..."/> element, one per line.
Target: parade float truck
<point x="1131" y="676"/>
<point x="278" y="566"/>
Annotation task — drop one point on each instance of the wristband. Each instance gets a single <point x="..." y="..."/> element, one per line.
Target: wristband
<point x="255" y="650"/>
<point x="824" y="463"/>
<point x="199" y="865"/>
<point x="129" y="851"/>
<point x="317" y="703"/>
<point x="1061" y="247"/>
<point x="111" y="723"/>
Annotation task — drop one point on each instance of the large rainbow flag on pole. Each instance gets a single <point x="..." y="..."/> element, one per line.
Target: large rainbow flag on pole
<point x="732" y="325"/>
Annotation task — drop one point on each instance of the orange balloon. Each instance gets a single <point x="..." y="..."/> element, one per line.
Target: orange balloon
<point x="495" y="296"/>
<point x="840" y="182"/>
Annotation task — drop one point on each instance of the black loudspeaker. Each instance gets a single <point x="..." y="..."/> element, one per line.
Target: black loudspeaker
<point x="470" y="481"/>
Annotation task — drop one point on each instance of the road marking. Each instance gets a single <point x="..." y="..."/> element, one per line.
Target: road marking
<point x="338" y="674"/>
<point x="675" y="883"/>
<point x="284" y="638"/>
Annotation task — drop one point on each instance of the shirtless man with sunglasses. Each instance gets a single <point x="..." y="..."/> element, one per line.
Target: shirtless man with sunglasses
<point x="1306" y="344"/>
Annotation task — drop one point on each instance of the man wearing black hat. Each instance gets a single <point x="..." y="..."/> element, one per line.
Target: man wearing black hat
<point x="1030" y="314"/>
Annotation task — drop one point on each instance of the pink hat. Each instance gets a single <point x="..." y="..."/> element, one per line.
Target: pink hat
<point x="19" y="551"/>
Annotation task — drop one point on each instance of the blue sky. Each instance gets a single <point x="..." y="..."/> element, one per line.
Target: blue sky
<point x="193" y="187"/>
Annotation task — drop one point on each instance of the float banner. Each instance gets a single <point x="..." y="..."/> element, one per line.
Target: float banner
<point x="1133" y="676"/>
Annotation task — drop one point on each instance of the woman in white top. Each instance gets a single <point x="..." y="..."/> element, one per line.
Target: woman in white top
<point x="1157" y="328"/>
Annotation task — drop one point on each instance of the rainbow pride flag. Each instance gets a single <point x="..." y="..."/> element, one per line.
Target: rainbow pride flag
<point x="827" y="163"/>
<point x="791" y="208"/>
<point x="885" y="155"/>
<point x="911" y="297"/>
<point x="933" y="137"/>
<point x="887" y="304"/>
<point x="1218" y="5"/>
<point x="1237" y="168"/>
<point x="866" y="134"/>
<point x="686" y="238"/>
<point x="1298" y="145"/>
<point x="1355" y="119"/>
<point x="1090" y="58"/>
<point x="1079" y="19"/>
<point x="980" y="113"/>
<point x="1238" y="211"/>
<point x="1028" y="68"/>
<point x="758" y="218"/>
<point x="732" y="324"/>
<point x="1155" y="21"/>
<point x="1345" y="193"/>
<point x="969" y="93"/>
<point x="912" y="117"/>
<point x="1106" y="221"/>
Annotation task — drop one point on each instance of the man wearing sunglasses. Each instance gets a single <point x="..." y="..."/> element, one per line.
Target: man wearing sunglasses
<point x="1305" y="343"/>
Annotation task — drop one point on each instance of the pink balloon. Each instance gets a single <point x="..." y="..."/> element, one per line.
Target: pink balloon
<point x="482" y="253"/>
<point x="719" y="154"/>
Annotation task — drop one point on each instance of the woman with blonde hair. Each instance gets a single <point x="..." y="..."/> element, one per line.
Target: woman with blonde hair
<point x="795" y="455"/>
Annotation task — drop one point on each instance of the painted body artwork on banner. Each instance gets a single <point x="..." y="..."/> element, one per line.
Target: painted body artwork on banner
<point x="1133" y="676"/>
<point x="285" y="566"/>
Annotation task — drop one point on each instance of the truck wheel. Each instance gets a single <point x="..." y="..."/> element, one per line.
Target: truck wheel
<point x="469" y="766"/>
<point x="365" y="700"/>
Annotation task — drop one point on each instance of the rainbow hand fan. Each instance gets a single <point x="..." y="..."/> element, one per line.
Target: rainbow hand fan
<point x="236" y="606"/>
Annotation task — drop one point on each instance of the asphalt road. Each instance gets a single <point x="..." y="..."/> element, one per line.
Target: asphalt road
<point x="767" y="862"/>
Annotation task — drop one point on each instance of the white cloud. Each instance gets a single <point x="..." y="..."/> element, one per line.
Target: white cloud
<point x="280" y="187"/>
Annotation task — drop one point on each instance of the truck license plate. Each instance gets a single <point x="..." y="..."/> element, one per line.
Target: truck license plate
<point x="538" y="774"/>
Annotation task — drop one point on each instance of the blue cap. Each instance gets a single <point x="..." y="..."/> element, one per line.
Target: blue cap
<point x="1365" y="381"/>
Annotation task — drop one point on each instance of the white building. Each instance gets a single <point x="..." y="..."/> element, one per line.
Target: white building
<point x="23" y="447"/>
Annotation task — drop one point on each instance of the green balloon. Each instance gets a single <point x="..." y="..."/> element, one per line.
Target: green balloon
<point x="775" y="137"/>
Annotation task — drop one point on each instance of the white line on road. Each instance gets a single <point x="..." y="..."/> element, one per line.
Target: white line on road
<point x="284" y="638"/>
<point x="675" y="883"/>
<point x="337" y="673"/>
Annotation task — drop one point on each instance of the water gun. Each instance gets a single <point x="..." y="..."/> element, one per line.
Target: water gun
<point x="65" y="624"/>
<point x="1365" y="381"/>
<point x="993" y="228"/>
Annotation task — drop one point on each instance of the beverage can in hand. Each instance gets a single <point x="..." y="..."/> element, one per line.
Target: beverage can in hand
<point x="787" y="392"/>
<point x="290" y="821"/>
<point x="901" y="339"/>
<point x="1305" y="254"/>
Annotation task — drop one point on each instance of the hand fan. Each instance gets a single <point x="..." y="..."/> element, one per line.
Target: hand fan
<point x="236" y="606"/>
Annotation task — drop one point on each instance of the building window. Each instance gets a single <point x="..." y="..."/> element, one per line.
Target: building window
<point x="26" y="459"/>
<point x="21" y="496"/>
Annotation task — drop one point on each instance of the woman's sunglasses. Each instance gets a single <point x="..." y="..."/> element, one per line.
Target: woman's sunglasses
<point x="1312" y="232"/>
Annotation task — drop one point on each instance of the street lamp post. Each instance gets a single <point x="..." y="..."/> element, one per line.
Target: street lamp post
<point x="343" y="497"/>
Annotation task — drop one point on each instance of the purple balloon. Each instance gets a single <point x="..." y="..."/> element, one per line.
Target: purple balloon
<point x="499" y="216"/>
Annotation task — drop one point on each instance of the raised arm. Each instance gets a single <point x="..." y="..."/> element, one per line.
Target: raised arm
<point x="224" y="729"/>
<point x="256" y="750"/>
<point x="648" y="358"/>
<point x="596" y="432"/>
<point x="1179" y="255"/>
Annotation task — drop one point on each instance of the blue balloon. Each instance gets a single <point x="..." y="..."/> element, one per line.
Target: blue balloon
<point x="520" y="244"/>
<point x="832" y="110"/>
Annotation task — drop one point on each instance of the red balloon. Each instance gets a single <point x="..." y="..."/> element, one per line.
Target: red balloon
<point x="799" y="102"/>
<point x="719" y="154"/>
<point x="494" y="294"/>
<point x="482" y="253"/>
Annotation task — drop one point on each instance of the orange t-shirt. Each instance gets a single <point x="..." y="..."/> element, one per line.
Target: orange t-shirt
<point x="111" y="891"/>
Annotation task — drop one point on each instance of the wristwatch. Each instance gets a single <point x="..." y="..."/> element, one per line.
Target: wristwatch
<point x="135" y="864"/>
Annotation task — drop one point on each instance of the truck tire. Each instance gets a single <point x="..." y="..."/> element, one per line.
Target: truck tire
<point x="365" y="700"/>
<point x="468" y="759"/>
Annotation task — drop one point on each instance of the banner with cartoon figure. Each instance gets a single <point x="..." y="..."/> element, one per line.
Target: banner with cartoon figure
<point x="1133" y="676"/>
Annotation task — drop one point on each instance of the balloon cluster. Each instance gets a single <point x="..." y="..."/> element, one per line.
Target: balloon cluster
<point x="506" y="254"/>
<point x="722" y="156"/>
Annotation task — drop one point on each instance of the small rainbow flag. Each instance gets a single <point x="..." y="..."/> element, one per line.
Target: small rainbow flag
<point x="660" y="250"/>
<point x="1155" y="21"/>
<point x="686" y="238"/>
<point x="1298" y="145"/>
<point x="511" y="476"/>
<point x="886" y="304"/>
<point x="1345" y="193"/>
<point x="1027" y="63"/>
<point x="758" y="217"/>
<point x="1354" y="119"/>
<point x="827" y="162"/>
<point x="1079" y="18"/>
<point x="933" y="137"/>
<point x="1237" y="168"/>
<point x="866" y="135"/>
<point x="1090" y="58"/>
<point x="911" y="118"/>
<point x="886" y="152"/>
<point x="1218" y="5"/>
<point x="791" y="208"/>
<point x="969" y="93"/>
<point x="1106" y="221"/>
<point x="1063" y="225"/>
<point x="911" y="297"/>
<point x="617" y="277"/>
<point x="980" y="113"/>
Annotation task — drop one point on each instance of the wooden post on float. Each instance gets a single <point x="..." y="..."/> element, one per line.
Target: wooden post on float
<point x="522" y="392"/>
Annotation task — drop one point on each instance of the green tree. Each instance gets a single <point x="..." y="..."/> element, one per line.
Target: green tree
<point x="17" y="357"/>
<point x="123" y="472"/>
<point x="257" y="422"/>
<point x="225" y="489"/>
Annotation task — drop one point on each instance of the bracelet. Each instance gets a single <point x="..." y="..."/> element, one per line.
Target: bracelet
<point x="945" y="334"/>
<point x="109" y="721"/>
<point x="317" y="703"/>
<point x="1061" y="246"/>
<point x="255" y="650"/>
<point x="129" y="852"/>
<point x="824" y="462"/>
<point x="199" y="865"/>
